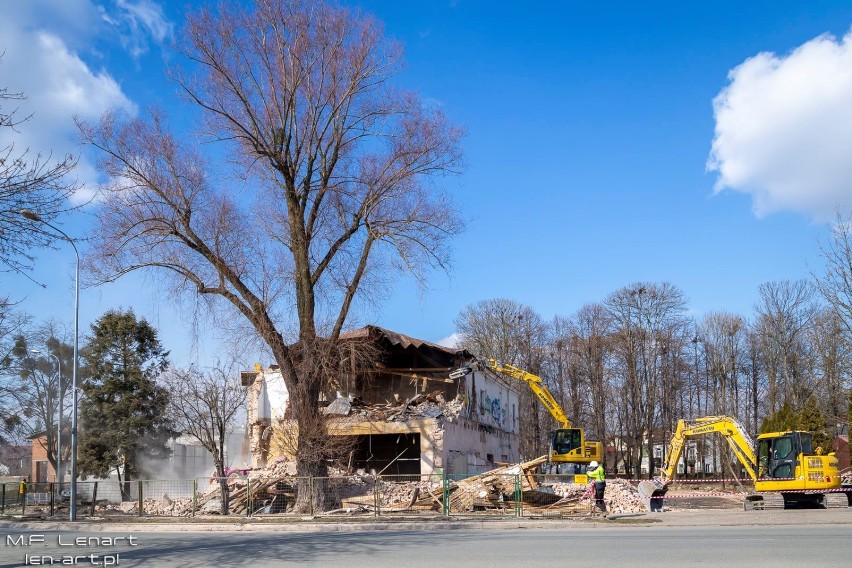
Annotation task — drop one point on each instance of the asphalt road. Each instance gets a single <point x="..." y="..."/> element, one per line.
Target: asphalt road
<point x="823" y="545"/>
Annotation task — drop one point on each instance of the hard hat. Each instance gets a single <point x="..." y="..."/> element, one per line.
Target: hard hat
<point x="593" y="464"/>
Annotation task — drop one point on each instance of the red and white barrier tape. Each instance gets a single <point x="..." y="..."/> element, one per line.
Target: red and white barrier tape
<point x="719" y="480"/>
<point x="807" y="491"/>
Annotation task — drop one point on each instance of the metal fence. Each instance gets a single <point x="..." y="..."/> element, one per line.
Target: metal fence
<point x="356" y="496"/>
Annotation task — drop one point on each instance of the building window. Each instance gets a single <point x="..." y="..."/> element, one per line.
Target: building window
<point x="41" y="471"/>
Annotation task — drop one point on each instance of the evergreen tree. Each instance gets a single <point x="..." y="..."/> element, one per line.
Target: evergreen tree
<point x="812" y="419"/>
<point x="782" y="420"/>
<point x="124" y="425"/>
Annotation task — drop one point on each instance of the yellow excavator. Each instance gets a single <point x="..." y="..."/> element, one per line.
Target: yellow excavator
<point x="785" y="467"/>
<point x="569" y="449"/>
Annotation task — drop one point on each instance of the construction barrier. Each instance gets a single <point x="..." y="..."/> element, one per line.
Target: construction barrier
<point x="491" y="495"/>
<point x="355" y="496"/>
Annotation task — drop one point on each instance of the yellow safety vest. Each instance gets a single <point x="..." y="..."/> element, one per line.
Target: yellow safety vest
<point x="597" y="474"/>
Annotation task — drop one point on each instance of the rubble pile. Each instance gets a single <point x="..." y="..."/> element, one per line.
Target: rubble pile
<point x="165" y="507"/>
<point x="423" y="405"/>
<point x="620" y="496"/>
<point x="490" y="491"/>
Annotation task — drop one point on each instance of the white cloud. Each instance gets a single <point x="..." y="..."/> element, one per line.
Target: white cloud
<point x="57" y="83"/>
<point x="139" y="21"/>
<point x="784" y="129"/>
<point x="451" y="341"/>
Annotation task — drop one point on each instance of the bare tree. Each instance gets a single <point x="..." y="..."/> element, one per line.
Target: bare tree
<point x="836" y="284"/>
<point x="32" y="182"/>
<point x="34" y="382"/>
<point x="496" y="328"/>
<point x="757" y="378"/>
<point x="723" y="335"/>
<point x="647" y="318"/>
<point x="586" y="335"/>
<point x="785" y="314"/>
<point x="339" y="192"/>
<point x="564" y="364"/>
<point x="12" y="324"/>
<point x="515" y="334"/>
<point x="833" y="365"/>
<point x="205" y="405"/>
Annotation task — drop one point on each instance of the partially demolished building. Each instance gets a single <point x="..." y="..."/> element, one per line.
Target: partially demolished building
<point x="405" y="414"/>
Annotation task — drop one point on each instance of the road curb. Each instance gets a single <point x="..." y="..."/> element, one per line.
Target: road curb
<point x="299" y="526"/>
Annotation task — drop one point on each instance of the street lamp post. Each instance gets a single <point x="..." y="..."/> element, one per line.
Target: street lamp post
<point x="33" y="216"/>
<point x="59" y="421"/>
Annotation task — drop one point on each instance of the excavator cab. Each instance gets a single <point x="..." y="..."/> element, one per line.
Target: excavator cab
<point x="777" y="456"/>
<point x="566" y="443"/>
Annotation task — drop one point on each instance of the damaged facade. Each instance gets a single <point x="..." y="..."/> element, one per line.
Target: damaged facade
<point x="404" y="413"/>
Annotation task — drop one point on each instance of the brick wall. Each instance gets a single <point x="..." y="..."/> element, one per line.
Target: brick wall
<point x="40" y="465"/>
<point x="841" y="447"/>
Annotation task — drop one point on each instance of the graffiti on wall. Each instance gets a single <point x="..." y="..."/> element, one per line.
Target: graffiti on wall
<point x="480" y="406"/>
<point x="493" y="412"/>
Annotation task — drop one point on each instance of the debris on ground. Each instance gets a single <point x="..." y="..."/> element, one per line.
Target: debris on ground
<point x="275" y="488"/>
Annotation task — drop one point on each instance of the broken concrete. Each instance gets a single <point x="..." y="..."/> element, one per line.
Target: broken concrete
<point x="461" y="425"/>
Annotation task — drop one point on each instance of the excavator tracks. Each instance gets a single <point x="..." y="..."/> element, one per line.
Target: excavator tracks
<point x="836" y="501"/>
<point x="763" y="501"/>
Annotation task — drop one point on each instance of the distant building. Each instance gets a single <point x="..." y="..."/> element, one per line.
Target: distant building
<point x="17" y="459"/>
<point x="190" y="460"/>
<point x="41" y="469"/>
<point x="841" y="449"/>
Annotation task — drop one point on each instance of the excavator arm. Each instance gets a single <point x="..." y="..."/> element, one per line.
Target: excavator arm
<point x="784" y="466"/>
<point x="538" y="388"/>
<point x="738" y="440"/>
<point x="567" y="443"/>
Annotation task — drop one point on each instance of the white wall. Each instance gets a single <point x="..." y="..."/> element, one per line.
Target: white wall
<point x="274" y="397"/>
<point x="491" y="401"/>
<point x="487" y="431"/>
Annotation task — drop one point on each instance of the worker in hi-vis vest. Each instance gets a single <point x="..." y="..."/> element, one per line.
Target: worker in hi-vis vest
<point x="596" y="472"/>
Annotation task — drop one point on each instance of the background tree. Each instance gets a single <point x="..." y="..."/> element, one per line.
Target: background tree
<point x="786" y="311"/>
<point x="591" y="341"/>
<point x="723" y="335"/>
<point x="812" y="419"/>
<point x="12" y="324"/>
<point x="516" y="335"/>
<point x="648" y="319"/>
<point x="34" y="182"/>
<point x="832" y="365"/>
<point x="339" y="192"/>
<point x="205" y="405"/>
<point x="124" y="425"/>
<point x="835" y="285"/>
<point x="32" y="388"/>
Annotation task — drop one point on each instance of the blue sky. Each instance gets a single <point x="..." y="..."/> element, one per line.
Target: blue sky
<point x="590" y="129"/>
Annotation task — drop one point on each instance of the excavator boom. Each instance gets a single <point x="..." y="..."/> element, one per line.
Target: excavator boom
<point x="735" y="435"/>
<point x="568" y="445"/>
<point x="538" y="387"/>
